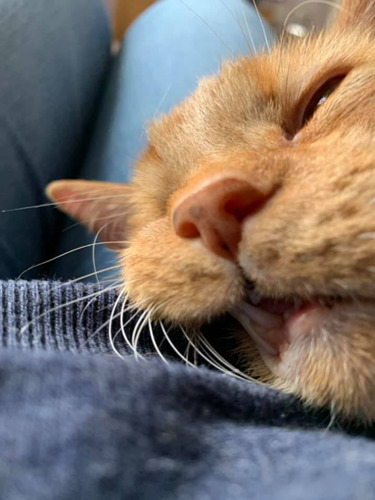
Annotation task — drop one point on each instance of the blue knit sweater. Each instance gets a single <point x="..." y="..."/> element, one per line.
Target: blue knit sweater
<point x="77" y="422"/>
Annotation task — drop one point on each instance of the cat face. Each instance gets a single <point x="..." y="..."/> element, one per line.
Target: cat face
<point x="256" y="198"/>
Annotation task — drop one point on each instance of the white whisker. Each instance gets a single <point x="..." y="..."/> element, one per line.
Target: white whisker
<point x="208" y="26"/>
<point x="226" y="363"/>
<point x="123" y="325"/>
<point x="153" y="340"/>
<point x="53" y="309"/>
<point x="94" y="243"/>
<point x="181" y="356"/>
<point x="333" y="418"/>
<point x="137" y="332"/>
<point x="261" y="24"/>
<point x="63" y="255"/>
<point x="206" y="358"/>
<point x="98" y="330"/>
<point x="56" y="204"/>
<point x="86" y="221"/>
<point x="112" y="286"/>
<point x="248" y="28"/>
<point x="237" y="20"/>
<point x="112" y="317"/>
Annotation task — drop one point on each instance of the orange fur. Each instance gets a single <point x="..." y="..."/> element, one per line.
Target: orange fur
<point x="316" y="236"/>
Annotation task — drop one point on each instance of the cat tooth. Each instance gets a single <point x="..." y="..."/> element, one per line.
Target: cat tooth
<point x="259" y="316"/>
<point x="254" y="297"/>
<point x="246" y="322"/>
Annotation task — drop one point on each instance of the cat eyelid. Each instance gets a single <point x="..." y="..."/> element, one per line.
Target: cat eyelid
<point x="319" y="98"/>
<point x="314" y="96"/>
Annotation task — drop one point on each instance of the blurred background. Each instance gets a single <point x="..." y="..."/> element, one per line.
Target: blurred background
<point x="299" y="16"/>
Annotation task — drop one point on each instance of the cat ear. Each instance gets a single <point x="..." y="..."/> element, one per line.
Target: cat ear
<point x="356" y="12"/>
<point x="100" y="206"/>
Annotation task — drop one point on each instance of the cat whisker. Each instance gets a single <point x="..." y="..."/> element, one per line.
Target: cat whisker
<point x="98" y="330"/>
<point x="71" y="226"/>
<point x="206" y="358"/>
<point x="262" y="25"/>
<point x="45" y="313"/>
<point x="138" y="331"/>
<point x="94" y="243"/>
<point x="203" y="351"/>
<point x="181" y="356"/>
<point x="156" y="112"/>
<point x="208" y="26"/>
<point x="331" y="423"/>
<point x="67" y="201"/>
<point x="237" y="20"/>
<point x="114" y="337"/>
<point x="62" y="255"/>
<point x="111" y="319"/>
<point x="254" y="51"/>
<point x="226" y="363"/>
<point x="123" y="325"/>
<point x="153" y="340"/>
<point x="187" y="356"/>
<point x="112" y="286"/>
<point x="89" y="275"/>
<point x="53" y="309"/>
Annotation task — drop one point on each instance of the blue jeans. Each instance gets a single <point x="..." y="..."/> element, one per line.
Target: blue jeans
<point x="67" y="109"/>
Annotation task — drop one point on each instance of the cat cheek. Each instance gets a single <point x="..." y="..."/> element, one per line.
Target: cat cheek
<point x="176" y="279"/>
<point x="329" y="360"/>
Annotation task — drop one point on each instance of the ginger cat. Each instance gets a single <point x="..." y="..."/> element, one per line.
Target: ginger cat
<point x="256" y="198"/>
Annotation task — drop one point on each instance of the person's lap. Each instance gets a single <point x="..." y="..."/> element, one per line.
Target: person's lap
<point x="163" y="55"/>
<point x="53" y="57"/>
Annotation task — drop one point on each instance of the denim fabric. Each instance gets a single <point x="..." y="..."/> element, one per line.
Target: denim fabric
<point x="54" y="56"/>
<point x="78" y="425"/>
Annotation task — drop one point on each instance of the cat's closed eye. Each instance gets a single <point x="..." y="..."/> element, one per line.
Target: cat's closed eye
<point x="320" y="97"/>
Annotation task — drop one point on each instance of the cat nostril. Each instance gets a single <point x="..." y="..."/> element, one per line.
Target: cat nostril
<point x="242" y="204"/>
<point x="188" y="230"/>
<point x="215" y="214"/>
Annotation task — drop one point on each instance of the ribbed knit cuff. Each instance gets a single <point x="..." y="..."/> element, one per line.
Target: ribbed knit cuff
<point x="60" y="316"/>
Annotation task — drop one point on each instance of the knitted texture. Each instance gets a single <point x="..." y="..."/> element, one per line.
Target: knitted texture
<point x="78" y="424"/>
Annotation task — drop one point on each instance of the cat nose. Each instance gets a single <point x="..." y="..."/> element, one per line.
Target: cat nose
<point x="215" y="213"/>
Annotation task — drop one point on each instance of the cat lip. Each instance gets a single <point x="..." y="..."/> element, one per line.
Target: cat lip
<point x="270" y="322"/>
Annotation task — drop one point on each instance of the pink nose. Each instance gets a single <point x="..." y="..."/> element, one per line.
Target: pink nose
<point x="216" y="212"/>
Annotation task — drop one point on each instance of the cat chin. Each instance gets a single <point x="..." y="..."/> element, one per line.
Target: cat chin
<point x="321" y="350"/>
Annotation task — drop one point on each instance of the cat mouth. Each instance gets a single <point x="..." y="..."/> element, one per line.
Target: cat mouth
<point x="273" y="324"/>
